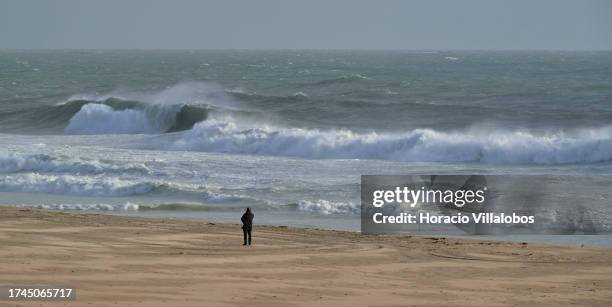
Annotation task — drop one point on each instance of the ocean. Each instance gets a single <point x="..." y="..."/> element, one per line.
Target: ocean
<point x="203" y="134"/>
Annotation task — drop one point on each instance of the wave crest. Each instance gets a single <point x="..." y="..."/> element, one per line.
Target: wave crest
<point x="116" y="116"/>
<point x="43" y="163"/>
<point x="88" y="207"/>
<point x="103" y="186"/>
<point x="323" y="206"/>
<point x="96" y="118"/>
<point x="421" y="145"/>
<point x="72" y="185"/>
<point x="176" y="108"/>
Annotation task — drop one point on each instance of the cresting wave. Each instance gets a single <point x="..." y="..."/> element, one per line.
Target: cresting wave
<point x="103" y="186"/>
<point x="128" y="206"/>
<point x="73" y="185"/>
<point x="209" y="120"/>
<point x="175" y="108"/>
<point x="421" y="145"/>
<point x="324" y="207"/>
<point x="117" y="116"/>
<point x="88" y="207"/>
<point x="43" y="163"/>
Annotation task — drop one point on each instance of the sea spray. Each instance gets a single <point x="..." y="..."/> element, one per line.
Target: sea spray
<point x="420" y="145"/>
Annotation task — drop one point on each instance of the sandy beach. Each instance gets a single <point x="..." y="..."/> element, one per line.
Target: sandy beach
<point x="128" y="261"/>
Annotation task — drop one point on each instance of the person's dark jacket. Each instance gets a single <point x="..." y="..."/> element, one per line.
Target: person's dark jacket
<point x="247" y="220"/>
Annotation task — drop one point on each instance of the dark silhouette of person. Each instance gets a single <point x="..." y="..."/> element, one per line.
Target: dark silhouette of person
<point x="247" y="225"/>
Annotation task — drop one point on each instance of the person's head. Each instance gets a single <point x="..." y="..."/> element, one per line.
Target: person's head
<point x="248" y="210"/>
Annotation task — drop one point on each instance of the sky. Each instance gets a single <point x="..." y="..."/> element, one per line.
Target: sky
<point x="306" y="24"/>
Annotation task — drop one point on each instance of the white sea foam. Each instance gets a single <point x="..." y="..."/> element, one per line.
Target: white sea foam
<point x="73" y="185"/>
<point x="94" y="118"/>
<point x="43" y="163"/>
<point x="301" y="95"/>
<point x="128" y="206"/>
<point x="111" y="186"/>
<point x="511" y="147"/>
<point x="88" y="207"/>
<point x="328" y="207"/>
<point x="154" y="112"/>
<point x="249" y="136"/>
<point x="319" y="207"/>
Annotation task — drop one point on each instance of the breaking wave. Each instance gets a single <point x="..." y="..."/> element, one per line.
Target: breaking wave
<point x="323" y="206"/>
<point x="176" y="108"/>
<point x="116" y="116"/>
<point x="43" y="163"/>
<point x="209" y="120"/>
<point x="101" y="186"/>
<point x="129" y="206"/>
<point x="421" y="145"/>
<point x="73" y="185"/>
<point x="83" y="207"/>
<point x="102" y="119"/>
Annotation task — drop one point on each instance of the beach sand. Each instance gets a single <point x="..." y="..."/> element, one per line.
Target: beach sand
<point x="130" y="261"/>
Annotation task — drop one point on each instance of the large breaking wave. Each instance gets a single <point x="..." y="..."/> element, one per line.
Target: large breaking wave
<point x="422" y="145"/>
<point x="209" y="119"/>
<point x="119" y="116"/>
<point x="176" y="108"/>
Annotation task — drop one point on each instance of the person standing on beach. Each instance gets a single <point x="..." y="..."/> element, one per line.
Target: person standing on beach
<point x="247" y="225"/>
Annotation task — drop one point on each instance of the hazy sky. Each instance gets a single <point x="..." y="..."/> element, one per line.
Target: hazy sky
<point x="309" y="24"/>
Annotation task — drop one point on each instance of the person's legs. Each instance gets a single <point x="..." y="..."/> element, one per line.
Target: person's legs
<point x="249" y="236"/>
<point x="244" y="232"/>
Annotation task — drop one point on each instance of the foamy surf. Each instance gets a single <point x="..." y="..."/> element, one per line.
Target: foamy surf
<point x="83" y="207"/>
<point x="96" y="118"/>
<point x="44" y="163"/>
<point x="110" y="186"/>
<point x="421" y="145"/>
<point x="73" y="185"/>
<point x="185" y="108"/>
<point x="290" y="141"/>
<point x="315" y="207"/>
<point x="327" y="207"/>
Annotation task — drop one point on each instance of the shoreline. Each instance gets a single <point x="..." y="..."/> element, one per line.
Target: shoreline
<point x="147" y="261"/>
<point x="551" y="239"/>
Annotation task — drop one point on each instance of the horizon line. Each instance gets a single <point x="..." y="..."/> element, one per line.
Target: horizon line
<point x="303" y="49"/>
